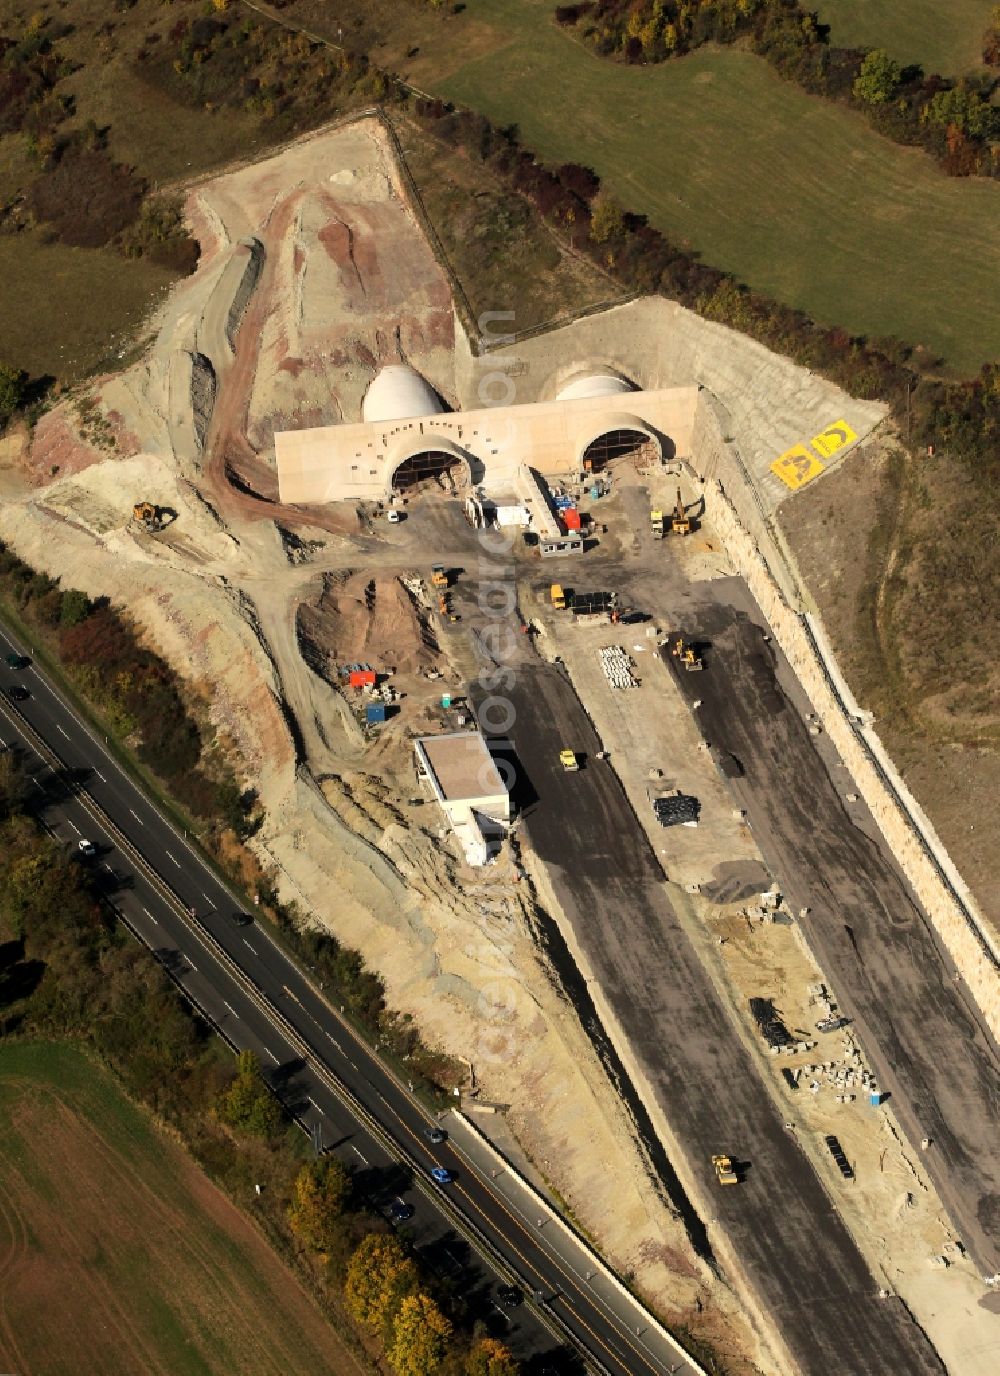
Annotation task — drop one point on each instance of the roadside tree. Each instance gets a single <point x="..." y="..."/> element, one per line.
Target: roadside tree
<point x="419" y="1338"/>
<point x="490" y="1357"/>
<point x="379" y="1276"/>
<point x="319" y="1199"/>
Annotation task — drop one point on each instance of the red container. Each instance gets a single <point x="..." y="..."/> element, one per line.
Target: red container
<point x="571" y="518"/>
<point x="362" y="678"/>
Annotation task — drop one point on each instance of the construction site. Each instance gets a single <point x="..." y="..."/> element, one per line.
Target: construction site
<point x="506" y="637"/>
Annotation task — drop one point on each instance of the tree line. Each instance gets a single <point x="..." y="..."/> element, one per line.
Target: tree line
<point x="955" y="120"/>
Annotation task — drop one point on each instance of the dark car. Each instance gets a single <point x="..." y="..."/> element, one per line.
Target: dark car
<point x="400" y="1211"/>
<point x="243" y="919"/>
<point x="510" y="1295"/>
<point x="436" y="1135"/>
<point x="18" y="693"/>
<point x="15" y="661"/>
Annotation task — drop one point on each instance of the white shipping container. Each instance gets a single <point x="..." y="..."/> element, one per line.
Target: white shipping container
<point x="513" y="516"/>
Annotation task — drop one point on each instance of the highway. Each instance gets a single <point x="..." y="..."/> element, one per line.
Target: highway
<point x="260" y="999"/>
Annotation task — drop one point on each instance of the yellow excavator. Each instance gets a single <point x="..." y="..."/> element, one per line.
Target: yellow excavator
<point x="148" y="515"/>
<point x="687" y="656"/>
<point x="439" y="577"/>
<point x="680" y="522"/>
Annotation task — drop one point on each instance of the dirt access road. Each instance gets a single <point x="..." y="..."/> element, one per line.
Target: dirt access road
<point x="796" y="1252"/>
<point x="919" y="1030"/>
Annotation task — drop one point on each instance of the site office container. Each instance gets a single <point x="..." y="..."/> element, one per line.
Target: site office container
<point x="571" y="518"/>
<point x="553" y="549"/>
<point x="376" y="711"/>
<point x="362" y="678"/>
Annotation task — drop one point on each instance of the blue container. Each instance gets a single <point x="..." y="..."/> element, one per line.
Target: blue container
<point x="376" y="711"/>
<point x="595" y="492"/>
<point x="875" y="1099"/>
<point x="562" y="503"/>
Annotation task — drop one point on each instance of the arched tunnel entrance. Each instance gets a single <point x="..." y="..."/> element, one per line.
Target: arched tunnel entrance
<point x="431" y="470"/>
<point x="626" y="445"/>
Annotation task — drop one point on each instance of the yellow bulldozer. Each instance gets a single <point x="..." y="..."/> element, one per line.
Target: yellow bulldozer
<point x="724" y="1170"/>
<point x="148" y="515"/>
<point x="439" y="576"/>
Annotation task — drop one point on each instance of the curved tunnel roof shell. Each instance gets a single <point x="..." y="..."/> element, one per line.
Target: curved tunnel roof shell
<point x="594" y="385"/>
<point x="398" y="392"/>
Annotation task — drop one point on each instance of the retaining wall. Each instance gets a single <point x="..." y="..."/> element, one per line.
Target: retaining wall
<point x="939" y="888"/>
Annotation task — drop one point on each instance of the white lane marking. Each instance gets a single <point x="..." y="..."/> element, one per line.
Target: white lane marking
<point x="336" y="1044"/>
<point x="231" y="1008"/>
<point x="205" y="896"/>
<point x="61" y="731"/>
<point x="246" y="943"/>
<point x="137" y="817"/>
<point x="37" y="784"/>
<point x="71" y="823"/>
<point x="149" y="914"/>
<point x="170" y="857"/>
<point x="314" y="1104"/>
<point x="273" y="1057"/>
<point x="355" y="1149"/>
<point x="100" y="776"/>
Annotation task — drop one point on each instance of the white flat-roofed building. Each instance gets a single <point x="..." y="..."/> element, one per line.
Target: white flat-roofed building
<point x="465" y="780"/>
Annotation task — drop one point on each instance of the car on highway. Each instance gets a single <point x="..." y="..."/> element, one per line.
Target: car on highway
<point x="400" y="1211"/>
<point x="436" y="1135"/>
<point x="18" y="693"/>
<point x="510" y="1295"/>
<point x="442" y="1175"/>
<point x="16" y="661"/>
<point x="243" y="919"/>
<point x="86" y="848"/>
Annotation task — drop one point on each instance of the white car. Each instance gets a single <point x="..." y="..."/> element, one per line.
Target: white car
<point x="86" y="848"/>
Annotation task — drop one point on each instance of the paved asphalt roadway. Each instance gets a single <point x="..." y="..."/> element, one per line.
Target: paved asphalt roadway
<point x="243" y="1010"/>
<point x="790" y="1241"/>
<point x="921" y="1033"/>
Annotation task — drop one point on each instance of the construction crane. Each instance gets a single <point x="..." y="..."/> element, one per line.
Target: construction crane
<point x="687" y="656"/>
<point x="680" y="523"/>
<point x="150" y="516"/>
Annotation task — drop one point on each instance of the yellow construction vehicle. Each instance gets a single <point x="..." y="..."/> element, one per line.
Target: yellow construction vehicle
<point x="568" y="760"/>
<point x="724" y="1170"/>
<point x="558" y="597"/>
<point x="149" y="515"/>
<point x="680" y="523"/>
<point x="656" y="524"/>
<point x="439" y="576"/>
<point x="686" y="654"/>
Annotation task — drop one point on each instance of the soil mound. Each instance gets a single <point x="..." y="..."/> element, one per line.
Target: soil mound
<point x="361" y="618"/>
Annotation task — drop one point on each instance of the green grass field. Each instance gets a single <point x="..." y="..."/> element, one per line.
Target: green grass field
<point x="797" y="197"/>
<point x="69" y="312"/>
<point x="119" y="1256"/>
<point x="945" y="38"/>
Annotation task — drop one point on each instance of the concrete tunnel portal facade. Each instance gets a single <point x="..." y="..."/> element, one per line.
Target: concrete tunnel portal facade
<point x="393" y="453"/>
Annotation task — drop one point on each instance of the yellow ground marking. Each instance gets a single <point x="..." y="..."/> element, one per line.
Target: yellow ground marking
<point x="796" y="467"/>
<point x="834" y="438"/>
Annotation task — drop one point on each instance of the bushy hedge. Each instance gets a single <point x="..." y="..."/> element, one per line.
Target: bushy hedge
<point x="136" y="691"/>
